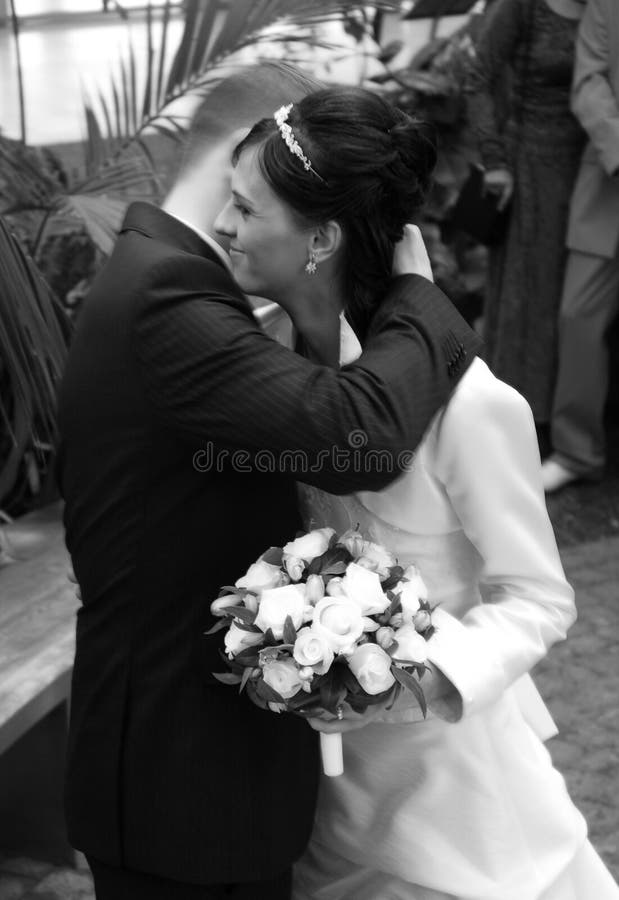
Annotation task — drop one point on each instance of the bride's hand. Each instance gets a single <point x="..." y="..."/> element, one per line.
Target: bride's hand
<point x="349" y="721"/>
<point x="410" y="256"/>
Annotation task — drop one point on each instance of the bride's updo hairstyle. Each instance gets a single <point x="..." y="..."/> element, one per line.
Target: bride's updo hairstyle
<point x="371" y="167"/>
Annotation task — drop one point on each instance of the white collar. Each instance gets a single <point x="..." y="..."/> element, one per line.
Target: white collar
<point x="221" y="253"/>
<point x="350" y="347"/>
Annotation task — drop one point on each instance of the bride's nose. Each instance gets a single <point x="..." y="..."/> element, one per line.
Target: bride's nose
<point x="225" y="223"/>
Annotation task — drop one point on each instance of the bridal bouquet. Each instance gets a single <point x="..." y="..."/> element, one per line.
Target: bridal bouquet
<point x="323" y="621"/>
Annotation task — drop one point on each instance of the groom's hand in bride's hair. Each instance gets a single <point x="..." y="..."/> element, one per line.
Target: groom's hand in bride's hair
<point x="410" y="256"/>
<point x="349" y="721"/>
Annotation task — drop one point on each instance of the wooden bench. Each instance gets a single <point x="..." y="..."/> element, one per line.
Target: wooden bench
<point x="37" y="627"/>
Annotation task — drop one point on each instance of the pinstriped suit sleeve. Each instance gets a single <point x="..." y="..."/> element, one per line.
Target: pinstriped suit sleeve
<point x="212" y="375"/>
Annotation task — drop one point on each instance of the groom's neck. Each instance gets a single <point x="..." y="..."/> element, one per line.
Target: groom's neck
<point x="199" y="194"/>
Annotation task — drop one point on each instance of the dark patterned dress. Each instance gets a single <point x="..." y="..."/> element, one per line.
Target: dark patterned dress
<point x="541" y="143"/>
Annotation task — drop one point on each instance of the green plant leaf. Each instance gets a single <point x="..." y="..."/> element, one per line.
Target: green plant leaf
<point x="227" y="677"/>
<point x="290" y="632"/>
<point x="273" y="556"/>
<point x="241" y="612"/>
<point x="411" y="684"/>
<point x="267" y="693"/>
<point x="219" y="626"/>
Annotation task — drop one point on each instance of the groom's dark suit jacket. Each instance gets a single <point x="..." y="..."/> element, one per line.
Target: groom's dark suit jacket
<point x="170" y="772"/>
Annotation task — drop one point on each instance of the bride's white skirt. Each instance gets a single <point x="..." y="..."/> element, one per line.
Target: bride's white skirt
<point x="467" y="811"/>
<point x="325" y="876"/>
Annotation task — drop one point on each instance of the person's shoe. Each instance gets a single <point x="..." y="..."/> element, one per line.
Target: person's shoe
<point x="555" y="476"/>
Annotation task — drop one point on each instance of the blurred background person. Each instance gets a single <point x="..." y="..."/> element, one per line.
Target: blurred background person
<point x="530" y="154"/>
<point x="591" y="291"/>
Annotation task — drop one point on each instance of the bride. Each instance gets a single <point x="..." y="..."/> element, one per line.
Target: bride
<point x="465" y="805"/>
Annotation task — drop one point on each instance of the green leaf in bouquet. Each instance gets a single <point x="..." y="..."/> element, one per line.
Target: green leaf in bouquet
<point x="219" y="625"/>
<point x="273" y="556"/>
<point x="269" y="638"/>
<point x="245" y="678"/>
<point x="247" y="657"/>
<point x="267" y="693"/>
<point x="332" y="562"/>
<point x="241" y="612"/>
<point x="332" y="692"/>
<point x="253" y="629"/>
<point x="390" y="582"/>
<point x="230" y="589"/>
<point x="290" y="632"/>
<point x="396" y="691"/>
<point x="253" y="695"/>
<point x="411" y="684"/>
<point x="349" y="681"/>
<point x="227" y="677"/>
<point x="306" y="703"/>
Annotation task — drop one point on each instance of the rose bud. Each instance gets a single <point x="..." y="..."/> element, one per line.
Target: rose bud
<point x="294" y="566"/>
<point x="334" y="587"/>
<point x="237" y="639"/>
<point x="220" y="606"/>
<point x="396" y="620"/>
<point x="353" y="541"/>
<point x="311" y="545"/>
<point x="385" y="637"/>
<point x="314" y="589"/>
<point x="422" y="620"/>
<point x="260" y="576"/>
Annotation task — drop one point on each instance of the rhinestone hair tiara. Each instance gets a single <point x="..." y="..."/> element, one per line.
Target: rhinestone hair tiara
<point x="281" y="118"/>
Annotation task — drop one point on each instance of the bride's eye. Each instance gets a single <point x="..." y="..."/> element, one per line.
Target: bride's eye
<point x="244" y="211"/>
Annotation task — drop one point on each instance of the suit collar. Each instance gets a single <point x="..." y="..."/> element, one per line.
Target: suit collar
<point x="155" y="223"/>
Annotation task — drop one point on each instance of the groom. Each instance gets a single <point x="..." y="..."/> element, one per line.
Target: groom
<point x="177" y="787"/>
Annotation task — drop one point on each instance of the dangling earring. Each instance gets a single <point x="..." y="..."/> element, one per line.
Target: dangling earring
<point x="310" y="266"/>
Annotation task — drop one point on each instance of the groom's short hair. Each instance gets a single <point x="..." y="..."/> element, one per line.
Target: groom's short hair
<point x="241" y="99"/>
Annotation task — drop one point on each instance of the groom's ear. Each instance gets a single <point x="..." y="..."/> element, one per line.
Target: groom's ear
<point x="326" y="240"/>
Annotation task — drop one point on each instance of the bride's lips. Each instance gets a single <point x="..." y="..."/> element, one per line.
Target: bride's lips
<point x="234" y="250"/>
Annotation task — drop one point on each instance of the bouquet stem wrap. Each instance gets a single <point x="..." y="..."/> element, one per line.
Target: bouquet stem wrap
<point x="331" y="752"/>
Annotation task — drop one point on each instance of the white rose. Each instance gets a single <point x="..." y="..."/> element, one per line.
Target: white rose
<point x="364" y="588"/>
<point x="310" y="545"/>
<point x="411" y="646"/>
<point x="260" y="576"/>
<point x="371" y="666"/>
<point x="312" y="649"/>
<point x="220" y="606"/>
<point x="377" y="558"/>
<point x="314" y="589"/>
<point x="283" y="676"/>
<point x="278" y="603"/>
<point x="237" y="639"/>
<point x="339" y="621"/>
<point x="353" y="541"/>
<point x="294" y="566"/>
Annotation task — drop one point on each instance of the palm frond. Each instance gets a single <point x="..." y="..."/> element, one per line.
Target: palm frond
<point x="33" y="341"/>
<point x="211" y="36"/>
<point x="101" y="216"/>
<point x="29" y="178"/>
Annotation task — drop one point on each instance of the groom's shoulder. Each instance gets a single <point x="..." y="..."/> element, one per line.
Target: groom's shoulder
<point x="148" y="274"/>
